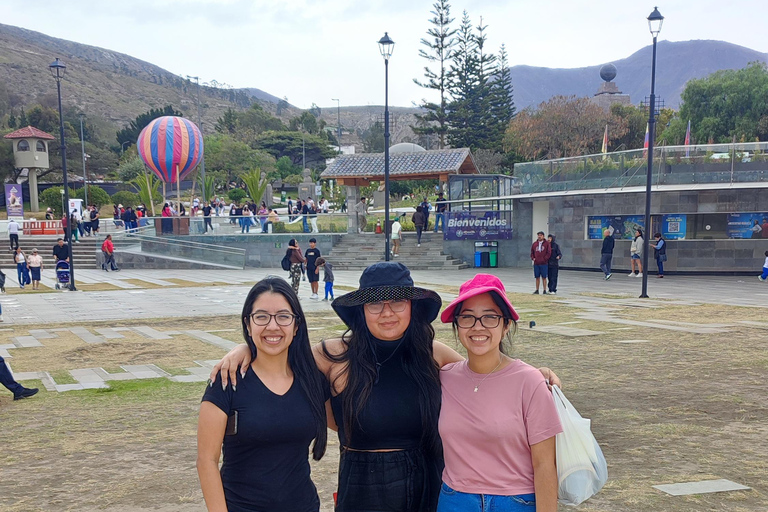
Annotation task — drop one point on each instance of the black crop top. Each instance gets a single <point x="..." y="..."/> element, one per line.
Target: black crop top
<point x="391" y="419"/>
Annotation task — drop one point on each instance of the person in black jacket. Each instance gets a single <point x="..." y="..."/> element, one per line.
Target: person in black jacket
<point x="606" y="253"/>
<point x="554" y="264"/>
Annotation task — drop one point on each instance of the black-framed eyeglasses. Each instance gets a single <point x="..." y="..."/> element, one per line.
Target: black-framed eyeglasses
<point x="397" y="306"/>
<point x="487" y="321"/>
<point x="282" y="319"/>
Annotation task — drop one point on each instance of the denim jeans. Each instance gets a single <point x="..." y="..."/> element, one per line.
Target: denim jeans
<point x="455" y="501"/>
<point x="660" y="264"/>
<point x="329" y="289"/>
<point x="605" y="263"/>
<point x="6" y="379"/>
<point x="439" y="217"/>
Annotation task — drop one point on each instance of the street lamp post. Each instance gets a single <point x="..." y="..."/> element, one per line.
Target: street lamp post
<point x="386" y="45"/>
<point x="57" y="70"/>
<point x="82" y="150"/>
<point x="338" y="121"/>
<point x="655" y="21"/>
<point x="200" y="126"/>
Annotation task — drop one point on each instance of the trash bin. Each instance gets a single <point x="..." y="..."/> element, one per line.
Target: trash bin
<point x="282" y="197"/>
<point x="494" y="259"/>
<point x="485" y="259"/>
<point x="478" y="259"/>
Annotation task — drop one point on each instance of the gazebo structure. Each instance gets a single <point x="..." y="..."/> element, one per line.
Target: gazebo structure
<point x="30" y="151"/>
<point x="406" y="162"/>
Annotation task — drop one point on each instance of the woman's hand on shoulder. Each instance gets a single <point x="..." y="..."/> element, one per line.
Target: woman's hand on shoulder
<point x="443" y="354"/>
<point x="237" y="358"/>
<point x="552" y="378"/>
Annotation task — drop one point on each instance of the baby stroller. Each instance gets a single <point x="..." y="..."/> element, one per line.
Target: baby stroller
<point x="62" y="273"/>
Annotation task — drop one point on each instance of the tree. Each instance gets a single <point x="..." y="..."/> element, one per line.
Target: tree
<point x="237" y="195"/>
<point x="96" y="195"/>
<point x="501" y="108"/>
<point x="561" y="127"/>
<point x="464" y="109"/>
<point x="130" y="133"/>
<point x="256" y="183"/>
<point x="144" y="184"/>
<point x="286" y="168"/>
<point x="281" y="106"/>
<point x="439" y="53"/>
<point x="130" y="169"/>
<point x="306" y="122"/>
<point x="233" y="157"/>
<point x="373" y="138"/>
<point x="636" y="119"/>
<point x="126" y="198"/>
<point x="279" y="144"/>
<point x="227" y="123"/>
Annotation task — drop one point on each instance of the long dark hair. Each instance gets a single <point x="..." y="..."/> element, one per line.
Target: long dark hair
<point x="300" y="357"/>
<point x="291" y="243"/>
<point x="638" y="230"/>
<point x="418" y="363"/>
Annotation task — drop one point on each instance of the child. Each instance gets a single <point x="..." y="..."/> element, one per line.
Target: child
<point x="762" y="277"/>
<point x="328" y="276"/>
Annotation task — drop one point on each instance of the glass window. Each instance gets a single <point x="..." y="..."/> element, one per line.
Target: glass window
<point x="22" y="145"/>
<point x="40" y="147"/>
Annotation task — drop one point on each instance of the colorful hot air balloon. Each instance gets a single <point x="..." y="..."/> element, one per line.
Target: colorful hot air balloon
<point x="171" y="146"/>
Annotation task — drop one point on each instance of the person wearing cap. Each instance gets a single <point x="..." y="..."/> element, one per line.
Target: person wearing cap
<point x="487" y="467"/>
<point x="311" y="255"/>
<point x="35" y="263"/>
<point x="385" y="391"/>
<point x="441" y="205"/>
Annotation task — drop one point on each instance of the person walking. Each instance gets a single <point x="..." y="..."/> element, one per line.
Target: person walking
<point x="294" y="254"/>
<point x="313" y="217"/>
<point x="311" y="255"/>
<point x="22" y="270"/>
<point x="60" y="251"/>
<point x="396" y="235"/>
<point x="636" y="254"/>
<point x="540" y="253"/>
<point x="108" y="249"/>
<point x="425" y="208"/>
<point x="764" y="276"/>
<point x="660" y="252"/>
<point x="94" y="220"/>
<point x="328" y="277"/>
<point x="361" y="210"/>
<point x="35" y="264"/>
<point x="441" y="206"/>
<point x="87" y="221"/>
<point x="305" y="217"/>
<point x="207" y="217"/>
<point x="7" y="380"/>
<point x="553" y="266"/>
<point x="419" y="220"/>
<point x="606" y="253"/>
<point x="13" y="234"/>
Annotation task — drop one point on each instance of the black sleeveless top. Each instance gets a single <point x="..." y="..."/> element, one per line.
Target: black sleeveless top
<point x="391" y="419"/>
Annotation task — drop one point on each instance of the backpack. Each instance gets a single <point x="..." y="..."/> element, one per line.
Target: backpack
<point x="286" y="262"/>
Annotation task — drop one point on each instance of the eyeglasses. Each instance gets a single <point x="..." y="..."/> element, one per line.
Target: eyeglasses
<point x="487" y="321"/>
<point x="282" y="319"/>
<point x="397" y="306"/>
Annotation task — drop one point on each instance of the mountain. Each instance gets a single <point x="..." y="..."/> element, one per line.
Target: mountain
<point x="676" y="63"/>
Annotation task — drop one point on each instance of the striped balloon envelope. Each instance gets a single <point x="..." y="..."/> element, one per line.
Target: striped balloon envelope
<point x="169" y="142"/>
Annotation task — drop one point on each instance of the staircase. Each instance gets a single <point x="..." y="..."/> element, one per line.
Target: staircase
<point x="356" y="252"/>
<point x="84" y="253"/>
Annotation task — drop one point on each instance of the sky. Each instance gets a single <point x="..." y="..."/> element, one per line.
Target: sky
<point x="312" y="51"/>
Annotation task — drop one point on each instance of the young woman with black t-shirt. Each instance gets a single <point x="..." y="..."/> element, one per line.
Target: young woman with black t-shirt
<point x="266" y="427"/>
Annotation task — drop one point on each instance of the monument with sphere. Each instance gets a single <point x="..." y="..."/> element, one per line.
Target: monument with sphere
<point x="609" y="93"/>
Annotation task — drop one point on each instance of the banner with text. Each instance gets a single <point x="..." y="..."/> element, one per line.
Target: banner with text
<point x="745" y="225"/>
<point x="620" y="226"/>
<point x="14" y="201"/>
<point x="673" y="227"/>
<point x="490" y="225"/>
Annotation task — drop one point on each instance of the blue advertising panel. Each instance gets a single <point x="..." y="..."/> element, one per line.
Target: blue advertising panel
<point x="490" y="225"/>
<point x="598" y="224"/>
<point x="14" y="201"/>
<point x="673" y="227"/>
<point x="631" y="223"/>
<point x="745" y="225"/>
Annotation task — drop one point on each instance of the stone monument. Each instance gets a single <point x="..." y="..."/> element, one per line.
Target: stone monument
<point x="307" y="187"/>
<point x="609" y="92"/>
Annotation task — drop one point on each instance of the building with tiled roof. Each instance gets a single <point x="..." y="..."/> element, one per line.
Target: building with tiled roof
<point x="361" y="169"/>
<point x="30" y="151"/>
<point x="29" y="132"/>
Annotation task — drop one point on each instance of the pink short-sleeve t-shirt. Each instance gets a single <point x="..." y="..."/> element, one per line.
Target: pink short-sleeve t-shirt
<point x="487" y="435"/>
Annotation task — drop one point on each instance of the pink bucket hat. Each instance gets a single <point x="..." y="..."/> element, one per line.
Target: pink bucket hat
<point x="478" y="285"/>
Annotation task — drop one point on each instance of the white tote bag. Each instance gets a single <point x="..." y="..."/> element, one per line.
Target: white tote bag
<point x="581" y="467"/>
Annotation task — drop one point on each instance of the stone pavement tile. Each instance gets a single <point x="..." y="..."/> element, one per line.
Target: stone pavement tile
<point x="86" y="335"/>
<point x="95" y="385"/>
<point x="632" y="341"/>
<point x="5" y="354"/>
<point x="42" y="334"/>
<point x="212" y="339"/>
<point x="121" y="328"/>
<point x="189" y="378"/>
<point x="109" y="333"/>
<point x="703" y="487"/>
<point x="86" y="375"/>
<point x="607" y="318"/>
<point x="68" y="387"/>
<point x="149" y="332"/>
<point x="29" y="375"/>
<point x="27" y="341"/>
<point x="567" y="331"/>
<point x="692" y="324"/>
<point x="48" y="383"/>
<point x="210" y="363"/>
<point x="751" y="323"/>
<point x="571" y="323"/>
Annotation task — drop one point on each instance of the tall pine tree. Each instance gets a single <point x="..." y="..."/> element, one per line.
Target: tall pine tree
<point x="439" y="51"/>
<point x="502" y="105"/>
<point x="464" y="113"/>
<point x="486" y="71"/>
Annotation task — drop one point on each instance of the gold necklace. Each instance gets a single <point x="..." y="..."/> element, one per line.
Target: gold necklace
<point x="477" y="385"/>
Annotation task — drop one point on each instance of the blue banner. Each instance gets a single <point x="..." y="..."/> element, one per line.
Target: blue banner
<point x="490" y="225"/>
<point x="673" y="227"/>
<point x="14" y="201"/>
<point x="620" y="226"/>
<point x="745" y="225"/>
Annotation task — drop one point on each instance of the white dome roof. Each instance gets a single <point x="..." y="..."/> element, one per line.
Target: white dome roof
<point x="406" y="147"/>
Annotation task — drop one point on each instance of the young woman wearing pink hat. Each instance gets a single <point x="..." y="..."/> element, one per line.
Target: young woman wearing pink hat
<point x="498" y="421"/>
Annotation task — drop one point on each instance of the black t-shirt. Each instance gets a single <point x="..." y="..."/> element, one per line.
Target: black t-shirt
<point x="61" y="253"/>
<point x="441" y="205"/>
<point x="266" y="464"/>
<point x="312" y="255"/>
<point x="206" y="211"/>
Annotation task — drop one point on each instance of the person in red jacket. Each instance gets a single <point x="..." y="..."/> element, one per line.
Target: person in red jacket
<point x="540" y="253"/>
<point x="108" y="249"/>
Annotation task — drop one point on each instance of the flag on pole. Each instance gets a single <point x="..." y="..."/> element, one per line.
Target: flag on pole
<point x="605" y="140"/>
<point x="688" y="140"/>
<point x="645" y="144"/>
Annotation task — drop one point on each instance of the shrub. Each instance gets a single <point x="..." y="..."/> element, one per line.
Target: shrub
<point x="52" y="198"/>
<point x="126" y="198"/>
<point x="279" y="227"/>
<point x="237" y="195"/>
<point x="96" y="195"/>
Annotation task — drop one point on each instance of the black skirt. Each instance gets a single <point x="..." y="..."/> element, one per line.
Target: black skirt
<point x="401" y="481"/>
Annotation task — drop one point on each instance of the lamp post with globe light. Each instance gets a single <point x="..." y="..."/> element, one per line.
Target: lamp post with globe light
<point x="58" y="69"/>
<point x="655" y="20"/>
<point x="386" y="45"/>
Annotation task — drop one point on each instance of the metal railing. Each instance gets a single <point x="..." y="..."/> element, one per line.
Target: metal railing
<point x="673" y="165"/>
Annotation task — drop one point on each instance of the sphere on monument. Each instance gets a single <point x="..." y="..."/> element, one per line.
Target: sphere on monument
<point x="608" y="72"/>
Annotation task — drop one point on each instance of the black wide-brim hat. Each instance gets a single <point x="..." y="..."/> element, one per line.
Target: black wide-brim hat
<point x="387" y="280"/>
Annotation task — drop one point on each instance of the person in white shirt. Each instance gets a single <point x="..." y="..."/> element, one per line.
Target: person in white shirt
<point x="13" y="234"/>
<point x="397" y="229"/>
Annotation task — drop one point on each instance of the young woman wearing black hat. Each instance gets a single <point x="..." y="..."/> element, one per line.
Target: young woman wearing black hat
<point x="385" y="392"/>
